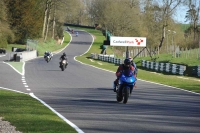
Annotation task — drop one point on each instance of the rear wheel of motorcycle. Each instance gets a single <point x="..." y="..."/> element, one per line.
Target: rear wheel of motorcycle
<point x="126" y="95"/>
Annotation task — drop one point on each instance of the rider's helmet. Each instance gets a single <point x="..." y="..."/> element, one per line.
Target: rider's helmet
<point x="131" y="59"/>
<point x="64" y="54"/>
<point x="127" y="62"/>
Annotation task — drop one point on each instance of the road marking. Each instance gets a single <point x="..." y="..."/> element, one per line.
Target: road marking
<point x="155" y="73"/>
<point x="99" y="63"/>
<point x="183" y="78"/>
<point x="91" y="60"/>
<point x="62" y="117"/>
<point x="28" y="89"/>
<point x="25" y="85"/>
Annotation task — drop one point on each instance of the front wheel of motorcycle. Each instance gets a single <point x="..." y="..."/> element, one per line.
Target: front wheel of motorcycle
<point x="126" y="94"/>
<point x="119" y="97"/>
<point x="63" y="67"/>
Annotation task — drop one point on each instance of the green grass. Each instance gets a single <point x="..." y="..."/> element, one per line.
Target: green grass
<point x="29" y="115"/>
<point x="17" y="66"/>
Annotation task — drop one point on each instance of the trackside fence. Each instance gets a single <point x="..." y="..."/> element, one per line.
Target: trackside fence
<point x="170" y="68"/>
<point x="106" y="58"/>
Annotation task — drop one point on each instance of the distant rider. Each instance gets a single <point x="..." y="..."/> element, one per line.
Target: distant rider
<point x="46" y="53"/>
<point x="63" y="57"/>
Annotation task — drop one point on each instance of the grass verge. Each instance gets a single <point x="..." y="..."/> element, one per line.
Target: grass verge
<point x="29" y="115"/>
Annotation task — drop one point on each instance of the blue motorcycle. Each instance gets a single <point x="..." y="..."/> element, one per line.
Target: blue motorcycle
<point x="125" y="86"/>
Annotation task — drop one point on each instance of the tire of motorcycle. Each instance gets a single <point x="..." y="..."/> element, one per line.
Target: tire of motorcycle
<point x="126" y="91"/>
<point x="118" y="97"/>
<point x="63" y="67"/>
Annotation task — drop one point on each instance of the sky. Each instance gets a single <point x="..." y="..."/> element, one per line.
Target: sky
<point x="180" y="14"/>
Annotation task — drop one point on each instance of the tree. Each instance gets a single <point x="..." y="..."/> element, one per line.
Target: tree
<point x="192" y="16"/>
<point x="25" y="18"/>
<point x="6" y="34"/>
<point x="152" y="23"/>
<point x="168" y="7"/>
<point x="118" y="20"/>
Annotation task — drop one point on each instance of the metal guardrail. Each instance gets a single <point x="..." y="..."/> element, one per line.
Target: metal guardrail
<point x="165" y="67"/>
<point x="106" y="58"/>
<point x="196" y="70"/>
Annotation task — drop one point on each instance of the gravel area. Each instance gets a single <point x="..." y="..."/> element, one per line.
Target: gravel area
<point x="5" y="127"/>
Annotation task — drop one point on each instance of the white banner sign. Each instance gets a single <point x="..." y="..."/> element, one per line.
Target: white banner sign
<point x="128" y="41"/>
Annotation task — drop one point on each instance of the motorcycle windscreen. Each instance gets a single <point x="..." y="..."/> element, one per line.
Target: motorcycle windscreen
<point x="128" y="76"/>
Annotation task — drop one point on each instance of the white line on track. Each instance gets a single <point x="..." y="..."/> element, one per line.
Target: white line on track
<point x="25" y="85"/>
<point x="91" y="60"/>
<point x="62" y="117"/>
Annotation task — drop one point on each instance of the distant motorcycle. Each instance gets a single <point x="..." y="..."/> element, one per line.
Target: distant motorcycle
<point x="125" y="86"/>
<point x="76" y="34"/>
<point x="48" y="57"/>
<point x="63" y="65"/>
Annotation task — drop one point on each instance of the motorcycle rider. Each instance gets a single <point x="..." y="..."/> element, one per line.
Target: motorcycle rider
<point x="63" y="57"/>
<point x="126" y="66"/>
<point x="46" y="53"/>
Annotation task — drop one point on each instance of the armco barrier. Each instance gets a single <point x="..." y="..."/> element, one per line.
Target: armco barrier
<point x="181" y="69"/>
<point x="100" y="57"/>
<point x="174" y="67"/>
<point x="107" y="58"/>
<point x="168" y="67"/>
<point x="156" y="67"/>
<point x="143" y="63"/>
<point x="196" y="71"/>
<point x="151" y="65"/>
<point x="111" y="59"/>
<point x="148" y="64"/>
<point x="161" y="67"/>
